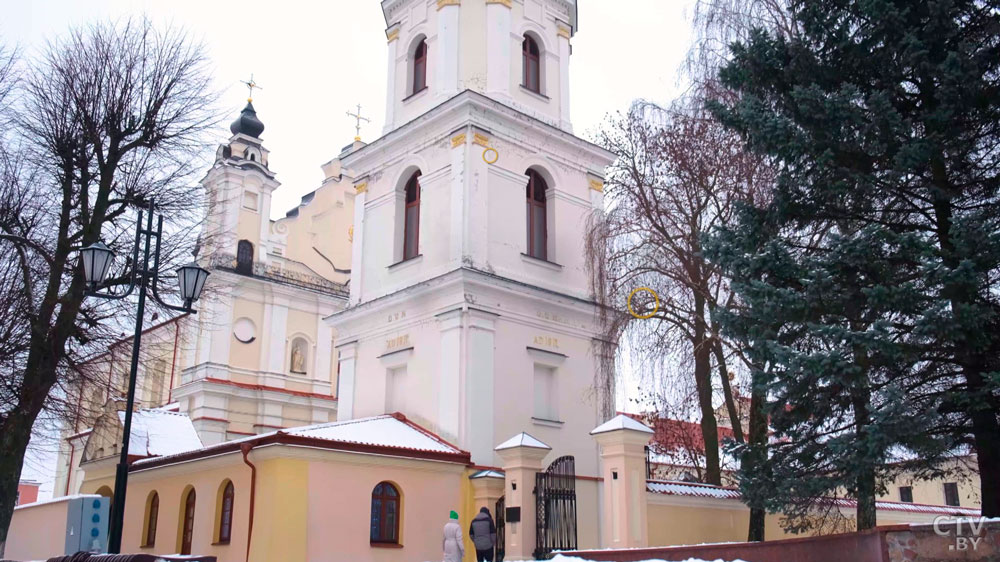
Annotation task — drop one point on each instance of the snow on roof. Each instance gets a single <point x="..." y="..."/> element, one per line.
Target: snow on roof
<point x="522" y="440"/>
<point x="161" y="432"/>
<point x="693" y="489"/>
<point x="392" y="431"/>
<point x="57" y="500"/>
<point x="621" y="421"/>
<point x="381" y="431"/>
<point x="487" y="474"/>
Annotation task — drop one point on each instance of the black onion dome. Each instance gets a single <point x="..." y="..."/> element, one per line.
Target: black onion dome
<point x="247" y="123"/>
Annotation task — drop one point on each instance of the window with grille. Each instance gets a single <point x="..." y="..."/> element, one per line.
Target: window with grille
<point x="244" y="257"/>
<point x="226" y="513"/>
<point x="385" y="514"/>
<point x="187" y="528"/>
<point x="152" y="514"/>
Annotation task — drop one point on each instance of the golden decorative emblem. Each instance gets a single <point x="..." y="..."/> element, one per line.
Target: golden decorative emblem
<point x="597" y="186"/>
<point x="490" y="158"/>
<point x="656" y="307"/>
<point x="481" y="140"/>
<point x="458" y="140"/>
<point x="361" y="188"/>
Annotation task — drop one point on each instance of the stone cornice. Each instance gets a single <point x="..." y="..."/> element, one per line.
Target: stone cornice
<point x="469" y="108"/>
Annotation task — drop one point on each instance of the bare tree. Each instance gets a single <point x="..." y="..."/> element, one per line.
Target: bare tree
<point x="110" y="116"/>
<point x="679" y="173"/>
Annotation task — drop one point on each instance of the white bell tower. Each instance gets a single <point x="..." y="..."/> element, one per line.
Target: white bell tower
<point x="439" y="48"/>
<point x="471" y="310"/>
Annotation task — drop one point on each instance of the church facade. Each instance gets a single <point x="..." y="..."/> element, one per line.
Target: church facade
<point x="418" y="336"/>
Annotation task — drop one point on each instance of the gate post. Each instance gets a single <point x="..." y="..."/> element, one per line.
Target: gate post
<point x="522" y="458"/>
<point x="487" y="488"/>
<point x="623" y="464"/>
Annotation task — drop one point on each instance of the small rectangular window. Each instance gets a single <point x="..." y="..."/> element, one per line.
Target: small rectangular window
<point x="906" y="494"/>
<point x="951" y="494"/>
<point x="545" y="393"/>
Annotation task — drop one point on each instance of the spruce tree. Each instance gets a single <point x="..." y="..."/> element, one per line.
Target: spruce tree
<point x="868" y="282"/>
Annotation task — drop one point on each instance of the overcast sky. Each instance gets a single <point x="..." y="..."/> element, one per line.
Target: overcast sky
<point x="316" y="60"/>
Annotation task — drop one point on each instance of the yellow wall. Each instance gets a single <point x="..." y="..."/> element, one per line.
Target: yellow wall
<point x="675" y="520"/>
<point x="311" y="505"/>
<point x="963" y="471"/>
<point x="170" y="483"/>
<point x="280" y="525"/>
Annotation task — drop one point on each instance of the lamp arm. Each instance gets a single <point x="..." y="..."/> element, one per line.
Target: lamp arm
<point x="132" y="274"/>
<point x="156" y="274"/>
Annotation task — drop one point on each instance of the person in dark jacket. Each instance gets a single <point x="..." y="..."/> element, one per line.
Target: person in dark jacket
<point x="483" y="533"/>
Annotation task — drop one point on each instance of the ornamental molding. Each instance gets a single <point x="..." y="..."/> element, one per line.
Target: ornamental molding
<point x="271" y="272"/>
<point x="501" y="2"/>
<point x="391" y="35"/>
<point x="596" y="185"/>
<point x="442" y="3"/>
<point x="361" y="188"/>
<point x="458" y="140"/>
<point x="481" y="140"/>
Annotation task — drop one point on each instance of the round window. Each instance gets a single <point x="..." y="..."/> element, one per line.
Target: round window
<point x="244" y="330"/>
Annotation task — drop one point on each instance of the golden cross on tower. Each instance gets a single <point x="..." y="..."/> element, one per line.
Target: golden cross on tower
<point x="250" y="84"/>
<point x="357" y="127"/>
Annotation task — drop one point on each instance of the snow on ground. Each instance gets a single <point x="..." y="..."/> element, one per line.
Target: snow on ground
<point x="561" y="558"/>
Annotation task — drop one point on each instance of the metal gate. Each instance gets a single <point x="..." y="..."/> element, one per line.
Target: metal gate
<point x="501" y="517"/>
<point x="555" y="507"/>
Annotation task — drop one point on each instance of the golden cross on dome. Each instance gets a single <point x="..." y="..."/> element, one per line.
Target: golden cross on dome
<point x="358" y="118"/>
<point x="251" y="84"/>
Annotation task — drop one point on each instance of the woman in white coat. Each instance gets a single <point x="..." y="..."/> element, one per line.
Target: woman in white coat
<point x="452" y="544"/>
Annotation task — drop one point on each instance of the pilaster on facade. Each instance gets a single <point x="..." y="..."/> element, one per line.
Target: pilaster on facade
<point x="347" y="354"/>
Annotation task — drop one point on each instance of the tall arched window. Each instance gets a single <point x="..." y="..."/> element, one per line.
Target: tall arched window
<point x="187" y="527"/>
<point x="226" y="513"/>
<point x="385" y="514"/>
<point x="532" y="69"/>
<point x="244" y="257"/>
<point x="152" y="514"/>
<point x="536" y="216"/>
<point x="411" y="218"/>
<point x="420" y="66"/>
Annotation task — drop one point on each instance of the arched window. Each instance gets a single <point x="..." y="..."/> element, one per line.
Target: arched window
<point x="532" y="70"/>
<point x="536" y="216"/>
<point x="152" y="514"/>
<point x="411" y="218"/>
<point x="244" y="257"/>
<point x="226" y="513"/>
<point x="420" y="66"/>
<point x="187" y="527"/>
<point x="385" y="514"/>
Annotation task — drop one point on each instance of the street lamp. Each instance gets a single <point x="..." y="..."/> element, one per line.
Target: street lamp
<point x="96" y="260"/>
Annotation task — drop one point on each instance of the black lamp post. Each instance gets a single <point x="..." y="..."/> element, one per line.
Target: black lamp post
<point x="96" y="260"/>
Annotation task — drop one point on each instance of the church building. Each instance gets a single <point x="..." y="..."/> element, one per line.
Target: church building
<point x="419" y="335"/>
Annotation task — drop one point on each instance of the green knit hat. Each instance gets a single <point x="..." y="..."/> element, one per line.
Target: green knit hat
<point x="453" y="514"/>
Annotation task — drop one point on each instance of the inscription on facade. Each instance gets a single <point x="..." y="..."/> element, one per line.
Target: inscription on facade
<point x="551" y="317"/>
<point x="547" y="341"/>
<point x="397" y="316"/>
<point x="398" y="342"/>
